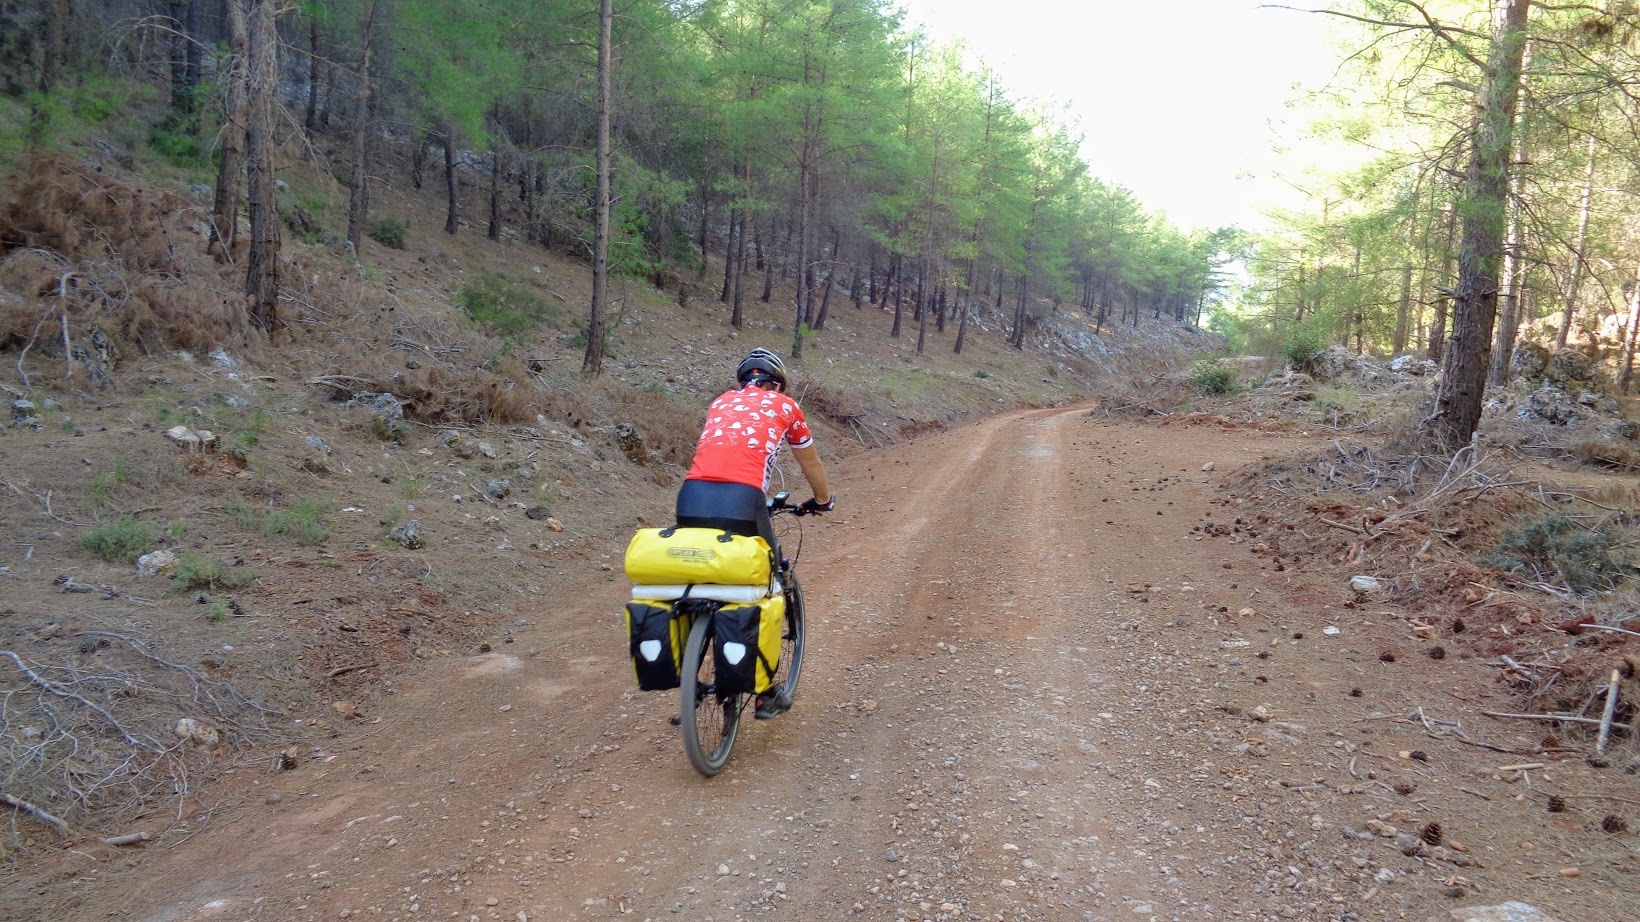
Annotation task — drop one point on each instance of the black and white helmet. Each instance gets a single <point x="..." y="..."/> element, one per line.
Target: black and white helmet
<point x="761" y="364"/>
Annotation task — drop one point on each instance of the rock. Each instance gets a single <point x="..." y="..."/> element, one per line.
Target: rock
<point x="156" y="563"/>
<point x="193" y="730"/>
<point x="22" y="409"/>
<point x="498" y="489"/>
<point x="192" y="439"/>
<point x="384" y="407"/>
<point x="1552" y="405"/>
<point x="222" y="359"/>
<point x="1507" y="912"/>
<point x="538" y="513"/>
<point x="631" y="444"/>
<point x="346" y="709"/>
<point x="1208" y="466"/>
<point x="554" y="525"/>
<point x="1528" y="360"/>
<point x="318" y="444"/>
<point x="1573" y="366"/>
<point x="487" y="450"/>
<point x="464" y="450"/>
<point x="201" y="192"/>
<point x="1365" y="584"/>
<point x="408" y="535"/>
<point x="1260" y="713"/>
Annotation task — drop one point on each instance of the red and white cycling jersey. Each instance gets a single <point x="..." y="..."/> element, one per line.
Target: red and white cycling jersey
<point x="744" y="429"/>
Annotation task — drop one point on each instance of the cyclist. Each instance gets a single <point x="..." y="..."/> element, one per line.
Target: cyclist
<point x="725" y="486"/>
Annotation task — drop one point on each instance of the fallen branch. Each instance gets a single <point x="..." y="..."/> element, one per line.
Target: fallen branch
<point x="35" y="812"/>
<point x="344" y="670"/>
<point x="1567" y="717"/>
<point x="130" y="838"/>
<point x="1607" y="627"/>
<point x="1606" y="718"/>
<point x="60" y="692"/>
<point x="1359" y="531"/>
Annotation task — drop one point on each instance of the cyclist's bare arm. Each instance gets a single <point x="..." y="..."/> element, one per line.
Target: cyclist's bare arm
<point x="808" y="458"/>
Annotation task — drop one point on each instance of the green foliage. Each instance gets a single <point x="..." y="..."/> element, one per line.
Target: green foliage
<point x="1556" y="549"/>
<point x="305" y="523"/>
<point x="108" y="479"/>
<point x="511" y="309"/>
<point x="578" y="342"/>
<point x="120" y="541"/>
<point x="218" y="612"/>
<point x="388" y="231"/>
<point x="177" y="145"/>
<point x="1212" y="377"/>
<point x="196" y="571"/>
<point x="1302" y="347"/>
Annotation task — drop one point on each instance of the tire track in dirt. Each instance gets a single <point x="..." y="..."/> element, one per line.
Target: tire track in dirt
<point x="1012" y="710"/>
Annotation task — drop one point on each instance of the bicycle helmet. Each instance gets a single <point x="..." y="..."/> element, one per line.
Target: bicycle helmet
<point x="761" y="365"/>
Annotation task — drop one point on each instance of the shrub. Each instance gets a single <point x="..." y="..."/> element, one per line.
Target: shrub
<point x="388" y="231"/>
<point x="197" y="571"/>
<point x="1302" y="348"/>
<point x="1210" y="377"/>
<point x="176" y="146"/>
<point x="503" y="306"/>
<point x="120" y="541"/>
<point x="304" y="523"/>
<point x="1556" y="549"/>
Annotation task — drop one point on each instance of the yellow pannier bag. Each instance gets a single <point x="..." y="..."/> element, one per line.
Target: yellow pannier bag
<point x="656" y="632"/>
<point x="669" y="556"/>
<point x="746" y="649"/>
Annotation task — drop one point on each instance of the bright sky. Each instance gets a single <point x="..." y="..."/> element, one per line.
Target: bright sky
<point x="1178" y="99"/>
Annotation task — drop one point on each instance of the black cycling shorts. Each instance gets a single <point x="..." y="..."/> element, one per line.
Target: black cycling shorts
<point x="737" y="508"/>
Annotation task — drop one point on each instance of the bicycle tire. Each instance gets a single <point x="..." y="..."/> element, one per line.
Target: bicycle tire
<point x="792" y="641"/>
<point x="710" y="722"/>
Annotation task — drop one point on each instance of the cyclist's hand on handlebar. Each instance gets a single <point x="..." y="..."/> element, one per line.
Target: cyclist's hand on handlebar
<point x="811" y="506"/>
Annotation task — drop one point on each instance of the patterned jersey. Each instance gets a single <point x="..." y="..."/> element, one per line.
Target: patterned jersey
<point x="744" y="429"/>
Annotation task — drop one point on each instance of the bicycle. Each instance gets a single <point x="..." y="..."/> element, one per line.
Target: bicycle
<point x="711" y="720"/>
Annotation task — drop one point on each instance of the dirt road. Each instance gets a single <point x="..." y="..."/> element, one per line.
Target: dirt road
<point x="1031" y="696"/>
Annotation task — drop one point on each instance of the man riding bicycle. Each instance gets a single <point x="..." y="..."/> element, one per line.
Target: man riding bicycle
<point x="744" y="431"/>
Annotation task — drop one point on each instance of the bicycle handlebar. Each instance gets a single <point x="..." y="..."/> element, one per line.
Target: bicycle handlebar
<point x="780" y="503"/>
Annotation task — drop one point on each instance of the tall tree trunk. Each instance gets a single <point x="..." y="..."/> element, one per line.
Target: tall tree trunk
<point x="56" y="44"/>
<point x="1508" y="324"/>
<point x="765" y="261"/>
<point x="418" y="157"/>
<point x="1437" y="325"/>
<point x="895" y="281"/>
<point x="494" y="230"/>
<point x="738" y="317"/>
<point x="262" y="266"/>
<point x="178" y="54"/>
<point x="700" y="235"/>
<point x="1631" y="337"/>
<point x="736" y="218"/>
<point x="358" y="199"/>
<point x="310" y="119"/>
<point x="225" y="210"/>
<point x="452" y="182"/>
<point x="593" y="363"/>
<point x="1462" y="387"/>
<point x="1578" y="258"/>
<point x="330" y="96"/>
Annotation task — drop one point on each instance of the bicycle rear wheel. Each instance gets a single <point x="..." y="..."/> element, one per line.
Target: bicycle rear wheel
<point x="710" y="721"/>
<point x="792" y="641"/>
